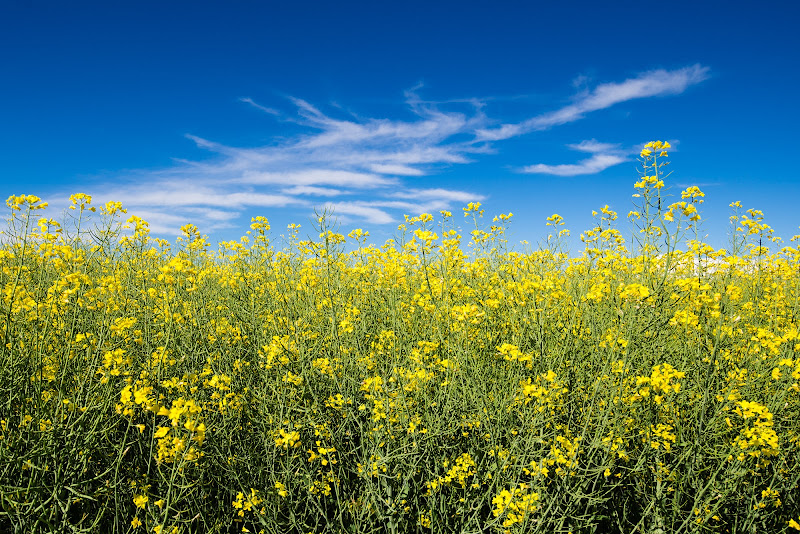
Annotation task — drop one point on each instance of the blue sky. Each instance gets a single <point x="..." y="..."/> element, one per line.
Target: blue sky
<point x="214" y="112"/>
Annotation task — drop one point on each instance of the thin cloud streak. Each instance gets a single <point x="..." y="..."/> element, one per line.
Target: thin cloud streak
<point x="401" y="170"/>
<point x="265" y="109"/>
<point x="314" y="191"/>
<point x="315" y="177"/>
<point x="594" y="146"/>
<point x="593" y="165"/>
<point x="440" y="194"/>
<point x="649" y="84"/>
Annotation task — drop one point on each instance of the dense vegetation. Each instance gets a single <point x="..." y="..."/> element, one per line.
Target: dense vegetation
<point x="432" y="384"/>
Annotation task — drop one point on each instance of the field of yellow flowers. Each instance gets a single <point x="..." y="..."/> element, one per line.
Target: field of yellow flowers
<point x="439" y="383"/>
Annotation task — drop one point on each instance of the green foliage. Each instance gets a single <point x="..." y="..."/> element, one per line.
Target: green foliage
<point x="413" y="387"/>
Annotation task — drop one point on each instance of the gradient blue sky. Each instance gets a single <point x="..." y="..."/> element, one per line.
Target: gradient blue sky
<point x="213" y="112"/>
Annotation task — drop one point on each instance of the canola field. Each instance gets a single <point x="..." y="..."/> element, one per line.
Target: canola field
<point x="442" y="382"/>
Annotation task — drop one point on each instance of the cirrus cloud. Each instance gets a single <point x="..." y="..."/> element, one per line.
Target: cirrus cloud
<point x="383" y="167"/>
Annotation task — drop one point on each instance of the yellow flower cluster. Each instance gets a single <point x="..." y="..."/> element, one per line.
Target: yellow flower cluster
<point x="458" y="471"/>
<point x="515" y="505"/>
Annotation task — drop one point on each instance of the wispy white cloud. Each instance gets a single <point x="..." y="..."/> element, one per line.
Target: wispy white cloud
<point x="382" y="166"/>
<point x="400" y="170"/>
<point x="362" y="210"/>
<point x="594" y="146"/>
<point x="313" y="191"/>
<point x="314" y="177"/>
<point x="212" y="214"/>
<point x="265" y="109"/>
<point x="338" y="156"/>
<point x="603" y="156"/>
<point x="440" y="194"/>
<point x="593" y="165"/>
<point x="653" y="83"/>
<point x="185" y="194"/>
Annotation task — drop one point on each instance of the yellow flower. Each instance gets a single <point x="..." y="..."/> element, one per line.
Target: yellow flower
<point x="794" y="524"/>
<point x="287" y="439"/>
<point x="125" y="395"/>
<point x="140" y="395"/>
<point x="424" y="520"/>
<point x="140" y="501"/>
<point x="281" y="489"/>
<point x="81" y="200"/>
<point x="136" y="523"/>
<point x="635" y="291"/>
